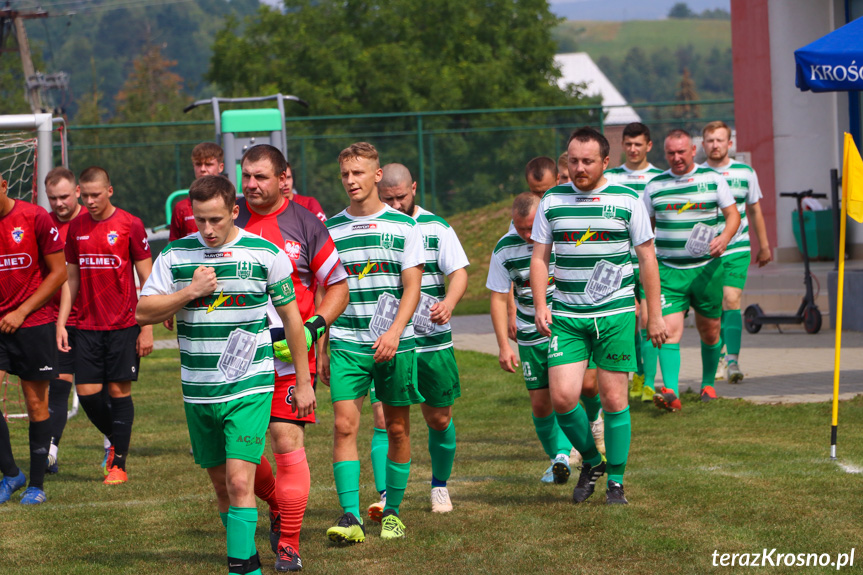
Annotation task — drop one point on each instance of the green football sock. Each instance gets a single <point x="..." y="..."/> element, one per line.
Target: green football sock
<point x="618" y="434"/>
<point x="553" y="441"/>
<point x="224" y="518"/>
<point x="709" y="362"/>
<point x="732" y="330"/>
<point x="649" y="357"/>
<point x="639" y="361"/>
<point x="442" y="451"/>
<point x="241" y="535"/>
<point x="347" y="474"/>
<point x="397" y="482"/>
<point x="592" y="405"/>
<point x="380" y="445"/>
<point x="574" y="424"/>
<point x="669" y="363"/>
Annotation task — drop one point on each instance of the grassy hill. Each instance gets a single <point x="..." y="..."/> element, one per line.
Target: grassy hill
<point x="478" y="230"/>
<point x="615" y="39"/>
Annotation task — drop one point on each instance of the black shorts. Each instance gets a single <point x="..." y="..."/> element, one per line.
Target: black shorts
<point x="66" y="359"/>
<point x="28" y="352"/>
<point x="106" y="356"/>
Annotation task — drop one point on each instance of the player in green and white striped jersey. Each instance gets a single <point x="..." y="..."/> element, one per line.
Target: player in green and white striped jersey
<point x="438" y="378"/>
<point x="510" y="266"/>
<point x="592" y="226"/>
<point x="226" y="353"/>
<point x="735" y="261"/>
<point x="687" y="202"/>
<point x="372" y="343"/>
<point x="635" y="173"/>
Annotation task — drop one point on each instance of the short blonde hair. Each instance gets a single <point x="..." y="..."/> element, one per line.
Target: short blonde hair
<point x="713" y="126"/>
<point x="360" y="150"/>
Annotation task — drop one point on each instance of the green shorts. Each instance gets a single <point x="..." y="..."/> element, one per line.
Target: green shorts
<point x="699" y="288"/>
<point x="395" y="382"/>
<point x="534" y="364"/>
<point x="234" y="429"/>
<point x="606" y="340"/>
<point x="437" y="377"/>
<point x="735" y="268"/>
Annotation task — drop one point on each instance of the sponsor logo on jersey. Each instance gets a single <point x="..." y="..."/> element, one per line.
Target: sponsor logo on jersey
<point x="579" y="200"/>
<point x="356" y="227"/>
<point x="99" y="261"/>
<point x="588" y="236"/>
<point x="81" y="238"/>
<point x="219" y="301"/>
<point x="244" y="270"/>
<point x="216" y="255"/>
<point x="292" y="249"/>
<point x="112" y="237"/>
<point x="387" y="241"/>
<point x="685" y="207"/>
<point x="18" y="234"/>
<point x="15" y="262"/>
<point x="369" y="267"/>
<point x="238" y="300"/>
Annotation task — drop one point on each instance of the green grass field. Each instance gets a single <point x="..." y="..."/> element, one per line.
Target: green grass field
<point x="615" y="39"/>
<point x="728" y="476"/>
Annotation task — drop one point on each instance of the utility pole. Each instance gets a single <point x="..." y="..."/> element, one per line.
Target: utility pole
<point x="34" y="82"/>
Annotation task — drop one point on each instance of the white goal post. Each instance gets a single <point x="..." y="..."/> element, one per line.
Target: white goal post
<point x="42" y="125"/>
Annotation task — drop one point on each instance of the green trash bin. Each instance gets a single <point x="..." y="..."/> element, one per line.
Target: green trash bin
<point x="819" y="233"/>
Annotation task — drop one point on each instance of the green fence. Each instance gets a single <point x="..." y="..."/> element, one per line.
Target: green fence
<point x="460" y="159"/>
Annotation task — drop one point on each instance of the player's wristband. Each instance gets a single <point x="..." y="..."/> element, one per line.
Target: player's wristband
<point x="315" y="326"/>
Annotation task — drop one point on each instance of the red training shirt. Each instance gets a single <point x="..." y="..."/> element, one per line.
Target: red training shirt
<point x="63" y="228"/>
<point x="182" y="220"/>
<point x="310" y="204"/>
<point x="105" y="252"/>
<point x="27" y="234"/>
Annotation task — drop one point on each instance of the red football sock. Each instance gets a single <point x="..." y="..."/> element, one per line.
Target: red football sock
<point x="292" y="485"/>
<point x="265" y="484"/>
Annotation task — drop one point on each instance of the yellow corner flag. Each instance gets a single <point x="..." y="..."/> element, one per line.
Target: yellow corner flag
<point x="852" y="179"/>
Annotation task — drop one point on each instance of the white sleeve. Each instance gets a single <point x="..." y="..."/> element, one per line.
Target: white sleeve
<point x="280" y="269"/>
<point x="160" y="281"/>
<point x="498" y="278"/>
<point x="414" y="254"/>
<point x="754" y="189"/>
<point x="541" y="232"/>
<point x="640" y="230"/>
<point x="648" y="203"/>
<point x="723" y="193"/>
<point x="451" y="256"/>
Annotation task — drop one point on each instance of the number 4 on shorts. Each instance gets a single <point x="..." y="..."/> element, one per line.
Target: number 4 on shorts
<point x="552" y="346"/>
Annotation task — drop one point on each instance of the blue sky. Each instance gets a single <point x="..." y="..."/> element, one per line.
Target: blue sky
<point x="627" y="9"/>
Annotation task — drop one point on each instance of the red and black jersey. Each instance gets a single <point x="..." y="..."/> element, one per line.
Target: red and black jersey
<point x="309" y="246"/>
<point x="27" y="234"/>
<point x="182" y="220"/>
<point x="105" y="252"/>
<point x="311" y="204"/>
<point x="63" y="228"/>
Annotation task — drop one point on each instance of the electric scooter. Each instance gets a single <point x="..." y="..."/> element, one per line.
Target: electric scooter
<point x="808" y="313"/>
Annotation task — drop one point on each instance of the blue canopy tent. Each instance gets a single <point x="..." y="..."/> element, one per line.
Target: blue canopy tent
<point x="833" y="63"/>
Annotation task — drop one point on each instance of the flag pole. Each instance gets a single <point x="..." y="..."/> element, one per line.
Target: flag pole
<point x="839" y="297"/>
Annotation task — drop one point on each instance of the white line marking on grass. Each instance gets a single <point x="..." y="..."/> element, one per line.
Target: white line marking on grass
<point x="848" y="468"/>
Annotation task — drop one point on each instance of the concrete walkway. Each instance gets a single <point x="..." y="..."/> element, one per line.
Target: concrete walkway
<point x="780" y="367"/>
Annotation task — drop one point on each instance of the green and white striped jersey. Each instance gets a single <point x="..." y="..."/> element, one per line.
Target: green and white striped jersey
<point x="374" y="250"/>
<point x="225" y="346"/>
<point x="592" y="233"/>
<point x="635" y="179"/>
<point x="510" y="264"/>
<point x="743" y="182"/>
<point x="688" y="210"/>
<point x="443" y="256"/>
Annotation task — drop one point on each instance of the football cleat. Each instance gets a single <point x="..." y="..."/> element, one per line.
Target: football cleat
<point x="636" y="386"/>
<point x="440" y="501"/>
<point x="708" y="393"/>
<point x="548" y="476"/>
<point x="275" y="530"/>
<point x="733" y="372"/>
<point x="9" y="485"/>
<point x="647" y="394"/>
<point x="666" y="399"/>
<point x="614" y="494"/>
<point x="391" y="526"/>
<point x="560" y="469"/>
<point x="116" y="476"/>
<point x="288" y="560"/>
<point x="108" y="461"/>
<point x="33" y="496"/>
<point x="347" y="530"/>
<point x="587" y="481"/>
<point x="376" y="509"/>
